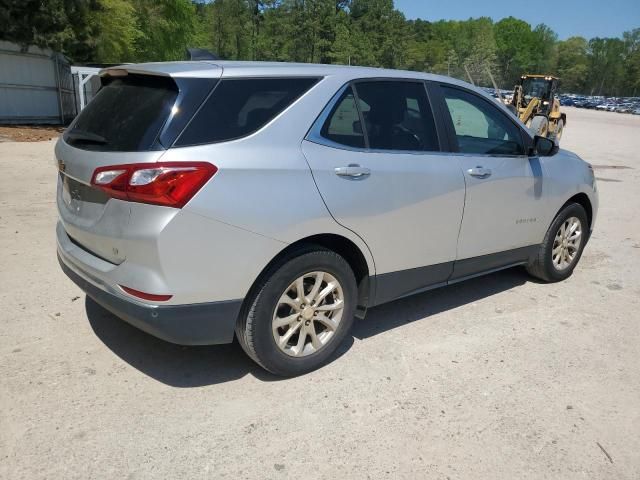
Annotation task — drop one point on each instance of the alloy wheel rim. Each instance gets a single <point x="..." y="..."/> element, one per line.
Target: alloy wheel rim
<point x="308" y="314"/>
<point x="566" y="243"/>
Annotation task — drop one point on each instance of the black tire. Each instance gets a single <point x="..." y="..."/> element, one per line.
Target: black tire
<point x="254" y="327"/>
<point x="556" y="136"/>
<point x="542" y="264"/>
<point x="540" y="125"/>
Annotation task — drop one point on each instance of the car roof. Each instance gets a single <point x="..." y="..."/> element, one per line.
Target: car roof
<point x="227" y="68"/>
<point x="236" y="69"/>
<point x="232" y="68"/>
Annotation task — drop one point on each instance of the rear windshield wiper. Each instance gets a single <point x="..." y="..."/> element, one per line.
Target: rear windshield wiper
<point x="83" y="136"/>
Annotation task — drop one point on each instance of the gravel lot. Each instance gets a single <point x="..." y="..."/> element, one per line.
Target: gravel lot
<point x="498" y="377"/>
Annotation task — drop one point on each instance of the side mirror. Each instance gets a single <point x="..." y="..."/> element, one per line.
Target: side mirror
<point x="545" y="147"/>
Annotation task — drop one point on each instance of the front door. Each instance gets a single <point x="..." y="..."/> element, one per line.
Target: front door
<point x="503" y="184"/>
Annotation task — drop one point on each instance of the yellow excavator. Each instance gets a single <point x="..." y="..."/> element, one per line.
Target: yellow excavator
<point x="535" y="103"/>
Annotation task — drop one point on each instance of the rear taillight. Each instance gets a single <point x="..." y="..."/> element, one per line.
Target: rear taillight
<point x="170" y="184"/>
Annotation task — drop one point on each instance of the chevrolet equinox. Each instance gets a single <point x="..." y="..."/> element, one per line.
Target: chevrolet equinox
<point x="199" y="201"/>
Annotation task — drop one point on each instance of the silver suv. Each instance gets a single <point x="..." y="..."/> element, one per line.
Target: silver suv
<point x="274" y="202"/>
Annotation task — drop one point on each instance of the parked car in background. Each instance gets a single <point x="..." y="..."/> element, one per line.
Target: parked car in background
<point x="610" y="104"/>
<point x="274" y="202"/>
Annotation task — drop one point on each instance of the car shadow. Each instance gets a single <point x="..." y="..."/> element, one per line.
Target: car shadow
<point x="420" y="306"/>
<point x="186" y="367"/>
<point x="177" y="365"/>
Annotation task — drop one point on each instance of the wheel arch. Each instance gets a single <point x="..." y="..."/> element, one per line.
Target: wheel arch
<point x="583" y="200"/>
<point x="339" y="244"/>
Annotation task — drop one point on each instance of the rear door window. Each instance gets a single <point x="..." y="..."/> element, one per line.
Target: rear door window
<point x="397" y="115"/>
<point x="343" y="124"/>
<point x="240" y="107"/>
<point x="126" y="114"/>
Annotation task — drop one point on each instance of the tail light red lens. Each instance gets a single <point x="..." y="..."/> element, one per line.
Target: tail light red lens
<point x="146" y="296"/>
<point x="170" y="184"/>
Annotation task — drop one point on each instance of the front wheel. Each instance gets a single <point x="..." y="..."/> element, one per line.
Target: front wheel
<point x="556" y="136"/>
<point x="296" y="319"/>
<point x="562" y="246"/>
<point x="540" y="125"/>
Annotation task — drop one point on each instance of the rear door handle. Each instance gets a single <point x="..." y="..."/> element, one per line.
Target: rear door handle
<point x="479" y="172"/>
<point x="353" y="172"/>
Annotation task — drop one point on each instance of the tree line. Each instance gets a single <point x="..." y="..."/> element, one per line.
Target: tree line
<point x="356" y="32"/>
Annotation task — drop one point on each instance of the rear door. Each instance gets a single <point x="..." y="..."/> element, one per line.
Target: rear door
<point x="375" y="156"/>
<point x="504" y="185"/>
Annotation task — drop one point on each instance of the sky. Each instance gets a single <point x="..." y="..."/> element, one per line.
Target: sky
<point x="586" y="18"/>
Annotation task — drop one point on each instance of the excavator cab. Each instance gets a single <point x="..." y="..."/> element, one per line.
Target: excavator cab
<point x="544" y="88"/>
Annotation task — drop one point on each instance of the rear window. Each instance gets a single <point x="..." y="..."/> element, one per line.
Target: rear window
<point x="239" y="107"/>
<point x="126" y="115"/>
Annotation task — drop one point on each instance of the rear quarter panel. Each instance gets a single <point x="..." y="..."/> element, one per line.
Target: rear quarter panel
<point x="264" y="185"/>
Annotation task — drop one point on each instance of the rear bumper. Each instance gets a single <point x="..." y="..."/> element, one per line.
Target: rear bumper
<point x="197" y="324"/>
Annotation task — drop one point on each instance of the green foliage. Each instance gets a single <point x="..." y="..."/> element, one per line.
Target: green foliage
<point x="118" y="31"/>
<point x="480" y="44"/>
<point x="516" y="48"/>
<point x="62" y="25"/>
<point x="167" y="28"/>
<point x="356" y="32"/>
<point x="632" y="61"/>
<point x="573" y="64"/>
<point x="605" y="65"/>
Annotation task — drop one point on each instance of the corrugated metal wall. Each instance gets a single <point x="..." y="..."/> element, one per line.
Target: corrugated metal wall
<point x="36" y="86"/>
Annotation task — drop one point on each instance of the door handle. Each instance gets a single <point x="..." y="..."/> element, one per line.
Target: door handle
<point x="353" y="172"/>
<point x="479" y="172"/>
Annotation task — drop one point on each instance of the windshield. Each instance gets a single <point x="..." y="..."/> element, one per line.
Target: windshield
<point x="535" y="87"/>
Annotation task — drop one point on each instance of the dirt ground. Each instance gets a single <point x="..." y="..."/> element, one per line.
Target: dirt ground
<point x="498" y="378"/>
<point x="29" y="133"/>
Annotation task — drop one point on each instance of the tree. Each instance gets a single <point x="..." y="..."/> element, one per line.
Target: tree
<point x="62" y="25"/>
<point x="227" y="25"/>
<point x="481" y="54"/>
<point x="543" y="49"/>
<point x="379" y="33"/>
<point x="342" y="50"/>
<point x="573" y="64"/>
<point x="167" y="28"/>
<point x="360" y="32"/>
<point x="311" y="29"/>
<point x="514" y="45"/>
<point x="632" y="62"/>
<point x="605" y="65"/>
<point x="118" y="32"/>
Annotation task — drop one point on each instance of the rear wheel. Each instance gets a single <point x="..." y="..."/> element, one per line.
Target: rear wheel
<point x="562" y="246"/>
<point x="540" y="125"/>
<point x="300" y="314"/>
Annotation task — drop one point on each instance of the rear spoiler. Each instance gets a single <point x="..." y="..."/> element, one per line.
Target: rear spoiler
<point x="200" y="69"/>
